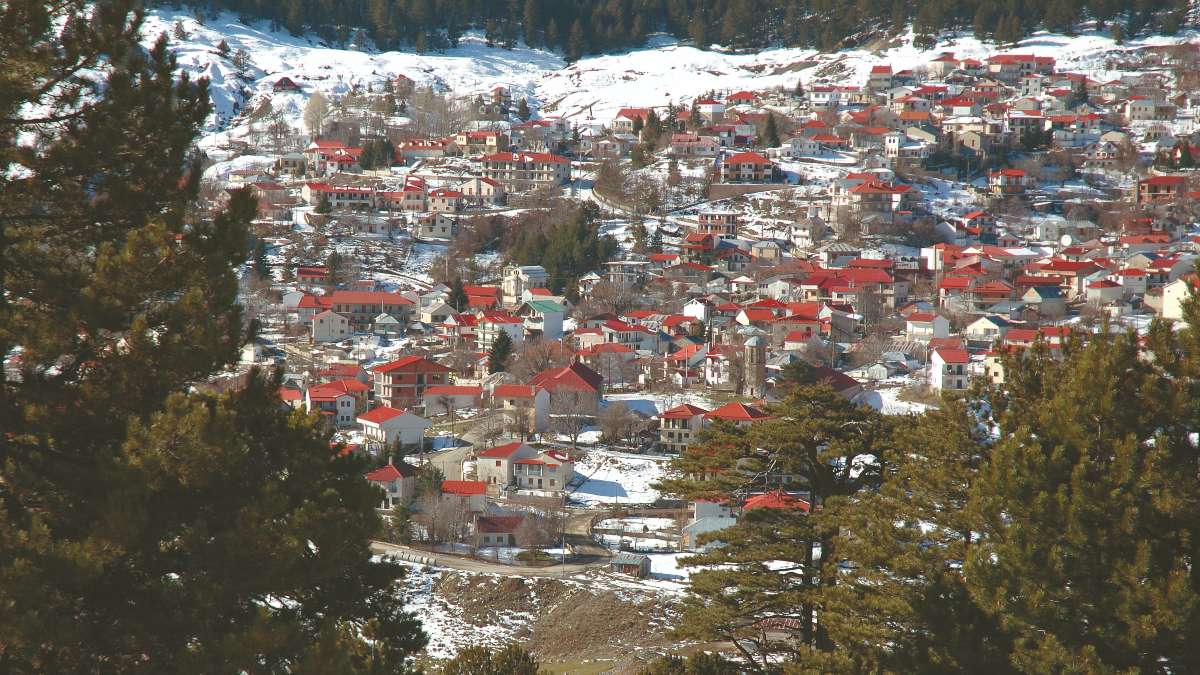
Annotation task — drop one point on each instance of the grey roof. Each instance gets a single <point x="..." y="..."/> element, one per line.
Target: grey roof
<point x="624" y="558"/>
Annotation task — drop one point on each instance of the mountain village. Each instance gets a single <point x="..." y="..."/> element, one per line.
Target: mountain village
<point x="893" y="238"/>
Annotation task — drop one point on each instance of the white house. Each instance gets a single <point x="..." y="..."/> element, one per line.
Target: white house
<point x="926" y="326"/>
<point x="398" y="481"/>
<point x="1174" y="295"/>
<point x="948" y="369"/>
<point x="388" y="426"/>
<point x="544" y="317"/>
<point x="989" y="329"/>
<point x="443" y="399"/>
<point x="329" y="326"/>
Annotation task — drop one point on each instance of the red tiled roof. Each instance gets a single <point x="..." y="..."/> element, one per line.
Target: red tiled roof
<point x="775" y="500"/>
<point x="414" y="363"/>
<point x="953" y="355"/>
<point x="575" y="377"/>
<point x="681" y="412"/>
<point x="748" y="158"/>
<point x="514" y="391"/>
<point x="738" y="412"/>
<point x="498" y="524"/>
<point x="391" y="472"/>
<point x="501" y="451"/>
<point x="525" y="158"/>
<point x="464" y="488"/>
<point x="380" y="415"/>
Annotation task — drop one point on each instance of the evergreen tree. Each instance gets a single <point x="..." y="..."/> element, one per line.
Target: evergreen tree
<point x="261" y="267"/>
<point x="223" y="48"/>
<point x="1186" y="161"/>
<point x="798" y="90"/>
<point x="324" y="207"/>
<point x="335" y="266"/>
<point x="1079" y="94"/>
<point x="576" y="43"/>
<point x="903" y="604"/>
<point x="698" y="31"/>
<point x="777" y="564"/>
<point x="653" y="127"/>
<point x="458" y="295"/>
<point x="509" y="660"/>
<point x="147" y="526"/>
<point x="637" y="35"/>
<point x="770" y="136"/>
<point x="500" y="353"/>
<point x="532" y="22"/>
<point x="1088" y="507"/>
<point x="429" y="480"/>
<point x="700" y="663"/>
<point x="180" y="33"/>
<point x="523" y="110"/>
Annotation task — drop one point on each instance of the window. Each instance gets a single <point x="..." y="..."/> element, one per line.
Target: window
<point x="497" y="462"/>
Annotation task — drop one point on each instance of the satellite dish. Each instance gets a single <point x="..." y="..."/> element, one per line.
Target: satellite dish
<point x="1066" y="240"/>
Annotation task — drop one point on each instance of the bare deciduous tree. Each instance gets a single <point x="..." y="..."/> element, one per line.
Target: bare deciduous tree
<point x="315" y="113"/>
<point x="536" y="356"/>
<point x="570" y="412"/>
<point x="540" y="529"/>
<point x="443" y="520"/>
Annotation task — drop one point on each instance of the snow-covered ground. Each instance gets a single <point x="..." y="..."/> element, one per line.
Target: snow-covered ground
<point x="886" y="399"/>
<point x="592" y="88"/>
<point x="652" y="403"/>
<point x="618" y="478"/>
<point x="448" y="631"/>
<point x="637" y="523"/>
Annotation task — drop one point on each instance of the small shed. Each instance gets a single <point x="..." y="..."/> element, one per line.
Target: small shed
<point x="631" y="564"/>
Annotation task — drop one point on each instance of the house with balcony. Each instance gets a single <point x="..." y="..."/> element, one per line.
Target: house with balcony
<point x="678" y="427"/>
<point x="948" y="369"/>
<point x="1009" y="182"/>
<point x="523" y="171"/>
<point x="398" y="482"/>
<point x="402" y="383"/>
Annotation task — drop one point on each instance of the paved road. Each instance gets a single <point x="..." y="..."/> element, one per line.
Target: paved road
<point x="585" y="563"/>
<point x="470" y="432"/>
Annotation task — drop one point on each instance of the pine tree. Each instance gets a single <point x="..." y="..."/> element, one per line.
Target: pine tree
<point x="532" y="23"/>
<point x="500" y="353"/>
<point x="777" y="563"/>
<point x="1088" y="507"/>
<point x="770" y="137"/>
<point x="261" y="267"/>
<point x="637" y="35"/>
<point x="523" y="110"/>
<point x="698" y="31"/>
<point x="148" y="526"/>
<point x="1079" y="94"/>
<point x="798" y="90"/>
<point x="1186" y="161"/>
<point x="458" y="295"/>
<point x="223" y="48"/>
<point x="509" y="660"/>
<point x="335" y="266"/>
<point x="180" y="33"/>
<point x="576" y="43"/>
<point x="324" y="207"/>
<point x="903" y="603"/>
<point x="699" y="663"/>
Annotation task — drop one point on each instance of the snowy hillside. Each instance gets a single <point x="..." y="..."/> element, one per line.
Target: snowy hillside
<point x="595" y="87"/>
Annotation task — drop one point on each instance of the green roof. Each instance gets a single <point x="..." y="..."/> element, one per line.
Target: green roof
<point x="544" y="306"/>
